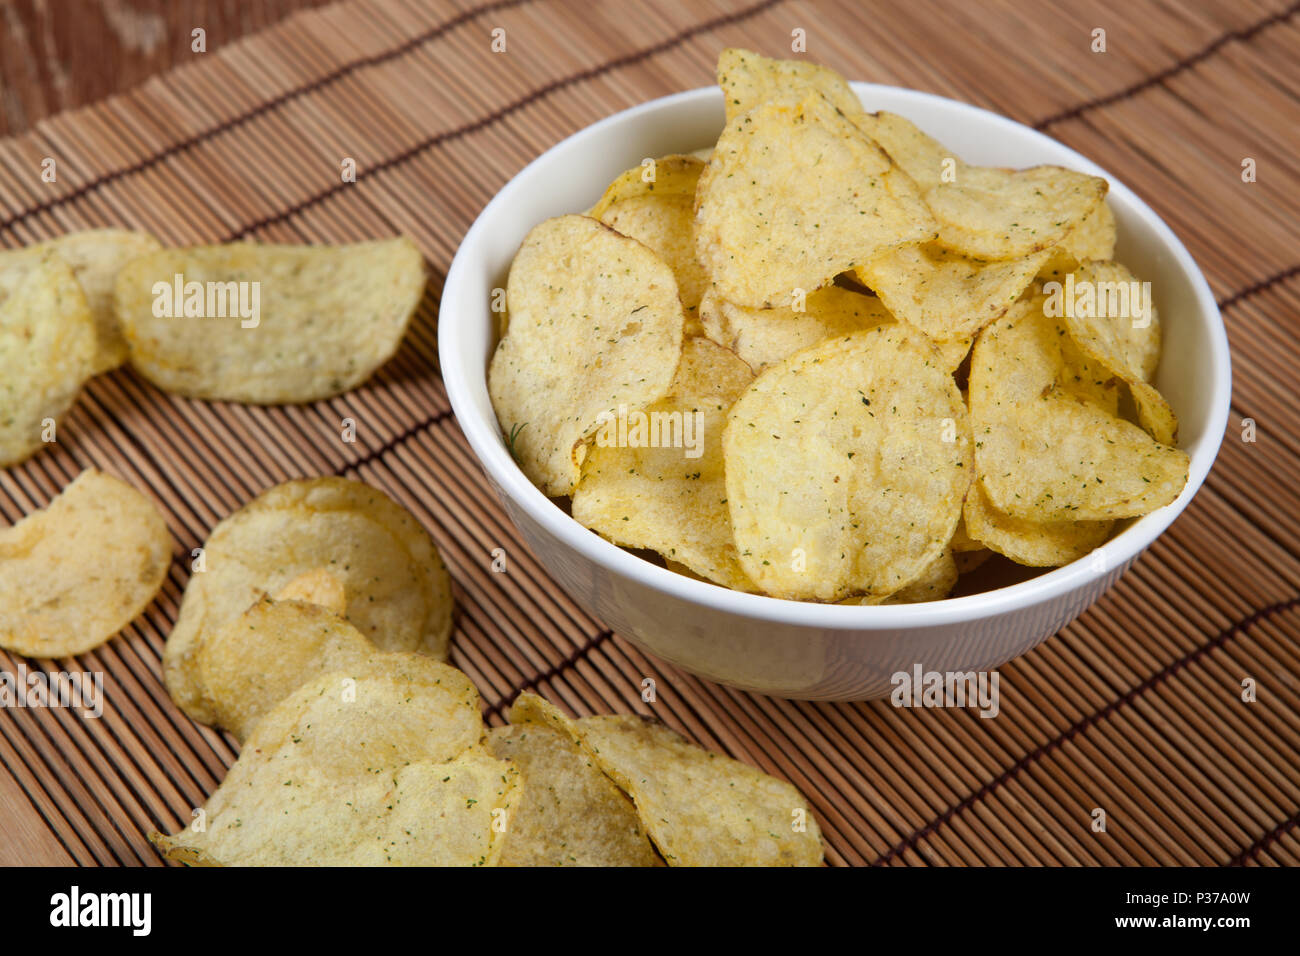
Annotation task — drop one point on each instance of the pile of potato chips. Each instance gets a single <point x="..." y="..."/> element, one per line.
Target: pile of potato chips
<point x="242" y="322"/>
<point x="829" y="360"/>
<point x="315" y="633"/>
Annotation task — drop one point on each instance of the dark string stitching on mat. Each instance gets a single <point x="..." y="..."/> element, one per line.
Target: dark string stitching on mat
<point x="551" y="672"/>
<point x="1252" y="852"/>
<point x="226" y="125"/>
<point x="913" y="840"/>
<point x="406" y="435"/>
<point x="526" y="100"/>
<point x="1177" y="67"/>
<point x="1261" y="286"/>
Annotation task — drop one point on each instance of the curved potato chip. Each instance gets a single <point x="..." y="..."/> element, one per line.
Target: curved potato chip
<point x="749" y="79"/>
<point x="96" y="256"/>
<point x="47" y="348"/>
<point x="265" y="654"/>
<point x="954" y="352"/>
<point x="399" y="593"/>
<point x="700" y="808"/>
<point x="595" y="325"/>
<point x="968" y="561"/>
<point x="1154" y="413"/>
<point x="1048" y="444"/>
<point x="77" y="572"/>
<point x="377" y="764"/>
<point x="763" y="337"/>
<point x="268" y="324"/>
<point x="947" y="296"/>
<point x="935" y="583"/>
<point x="317" y="586"/>
<point x="921" y="156"/>
<point x="991" y="213"/>
<point x="569" y="814"/>
<point x="654" y="480"/>
<point x="846" y="466"/>
<point x="1093" y="238"/>
<point x="661" y="214"/>
<point x="794" y="195"/>
<point x="1037" y="544"/>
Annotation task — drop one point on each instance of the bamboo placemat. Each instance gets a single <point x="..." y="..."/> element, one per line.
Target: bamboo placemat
<point x="1135" y="709"/>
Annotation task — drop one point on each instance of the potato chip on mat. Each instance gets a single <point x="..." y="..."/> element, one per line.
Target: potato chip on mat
<point x="378" y="764"/>
<point x="268" y="324"/>
<point x="75" y="573"/>
<point x="48" y="349"/>
<point x="595" y="326"/>
<point x="700" y="808"/>
<point x="398" y="591"/>
<point x="569" y="813"/>
<point x="846" y="466"/>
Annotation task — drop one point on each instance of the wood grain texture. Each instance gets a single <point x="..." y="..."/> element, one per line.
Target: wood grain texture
<point x="1134" y="708"/>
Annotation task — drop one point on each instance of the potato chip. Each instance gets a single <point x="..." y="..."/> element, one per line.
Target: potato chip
<point x="595" y="326"/>
<point x="1093" y="238"/>
<point x="749" y="79"/>
<point x="700" y="808"/>
<point x="569" y="813"/>
<point x="378" y="764"/>
<point x="921" y="156"/>
<point x="661" y="214"/>
<point x="96" y="257"/>
<point x="317" y="586"/>
<point x="262" y="656"/>
<point x="763" y="337"/>
<point x="398" y="591"/>
<point x="47" y="349"/>
<point x="935" y="583"/>
<point x="954" y="352"/>
<point x="268" y="324"/>
<point x="947" y="296"/>
<point x="1048" y="444"/>
<point x="968" y="561"/>
<point x="794" y="195"/>
<point x="1038" y="544"/>
<point x="654" y="479"/>
<point x="77" y="572"/>
<point x="991" y="213"/>
<point x="846" y="466"/>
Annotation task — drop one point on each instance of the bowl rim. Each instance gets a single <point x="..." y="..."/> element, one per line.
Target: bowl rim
<point x="489" y="446"/>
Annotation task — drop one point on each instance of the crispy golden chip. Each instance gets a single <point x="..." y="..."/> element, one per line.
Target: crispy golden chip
<point x="96" y="257"/>
<point x="661" y="214"/>
<point x="996" y="214"/>
<point x="968" y="561"/>
<point x="569" y="814"/>
<point x="317" y="586"/>
<point x="1112" y="320"/>
<point x="398" y="591"/>
<point x="377" y="764"/>
<point x="595" y="325"/>
<point x="47" y="349"/>
<point x="961" y="539"/>
<point x="763" y="337"/>
<point x="947" y="296"/>
<point x="935" y="583"/>
<point x="654" y="480"/>
<point x="953" y="353"/>
<point x="846" y="466"/>
<point x="794" y="195"/>
<point x="749" y="79"/>
<point x="77" y="572"/>
<point x="1093" y="238"/>
<point x="268" y="324"/>
<point x="260" y="657"/>
<point x="1048" y="444"/>
<point x="700" y="808"/>
<point x="921" y="156"/>
<point x="1038" y="544"/>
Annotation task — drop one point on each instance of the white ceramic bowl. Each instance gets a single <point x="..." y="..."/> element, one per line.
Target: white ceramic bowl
<point x="787" y="648"/>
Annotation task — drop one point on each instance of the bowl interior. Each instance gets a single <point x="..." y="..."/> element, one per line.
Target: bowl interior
<point x="1194" y="374"/>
